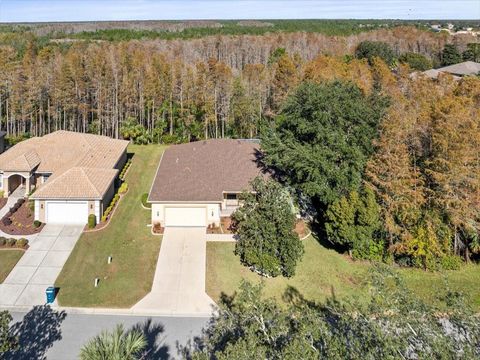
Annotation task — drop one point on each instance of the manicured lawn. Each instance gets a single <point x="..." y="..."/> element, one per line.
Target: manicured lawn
<point x="127" y="239"/>
<point x="323" y="272"/>
<point x="8" y="259"/>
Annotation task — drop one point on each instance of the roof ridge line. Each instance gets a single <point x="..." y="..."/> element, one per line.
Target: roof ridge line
<point x="89" y="181"/>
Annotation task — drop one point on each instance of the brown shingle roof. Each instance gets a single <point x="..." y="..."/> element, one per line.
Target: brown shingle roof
<point x="203" y="170"/>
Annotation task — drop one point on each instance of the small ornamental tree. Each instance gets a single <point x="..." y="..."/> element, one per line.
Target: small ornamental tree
<point x="265" y="227"/>
<point x="353" y="222"/>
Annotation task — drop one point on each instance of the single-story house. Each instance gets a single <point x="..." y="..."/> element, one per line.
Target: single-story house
<point x="466" y="68"/>
<point x="69" y="175"/>
<point x="199" y="182"/>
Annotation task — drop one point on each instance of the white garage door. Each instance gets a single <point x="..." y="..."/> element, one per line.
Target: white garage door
<point x="66" y="212"/>
<point x="185" y="216"/>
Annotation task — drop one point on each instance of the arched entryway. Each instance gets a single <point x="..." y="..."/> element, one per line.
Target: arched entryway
<point x="17" y="183"/>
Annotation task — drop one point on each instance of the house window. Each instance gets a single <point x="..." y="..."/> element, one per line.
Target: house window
<point x="231" y="197"/>
<point x="45" y="177"/>
<point x="1" y="181"/>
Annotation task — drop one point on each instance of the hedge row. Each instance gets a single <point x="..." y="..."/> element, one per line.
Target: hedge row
<point x="19" y="243"/>
<point x="125" y="168"/>
<point x="122" y="190"/>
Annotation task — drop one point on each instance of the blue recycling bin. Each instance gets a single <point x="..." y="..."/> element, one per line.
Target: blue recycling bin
<point x="50" y="294"/>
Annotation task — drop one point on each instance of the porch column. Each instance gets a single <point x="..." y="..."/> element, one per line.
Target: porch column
<point x="27" y="185"/>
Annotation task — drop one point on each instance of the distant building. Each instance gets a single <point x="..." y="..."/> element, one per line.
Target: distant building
<point x="458" y="71"/>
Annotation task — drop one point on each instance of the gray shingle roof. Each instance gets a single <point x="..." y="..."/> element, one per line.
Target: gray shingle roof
<point x="203" y="170"/>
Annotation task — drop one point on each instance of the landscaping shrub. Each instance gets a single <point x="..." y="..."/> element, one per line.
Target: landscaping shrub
<point x="144" y="201"/>
<point x="92" y="221"/>
<point x="37" y="223"/>
<point x="2" y="193"/>
<point x="21" y="243"/>
<point x="31" y="205"/>
<point x="451" y="262"/>
<point x="6" y="221"/>
<point x="123" y="188"/>
<point x="21" y="201"/>
<point x="11" y="242"/>
<point x="3" y="241"/>
<point x="8" y="214"/>
<point x="124" y="170"/>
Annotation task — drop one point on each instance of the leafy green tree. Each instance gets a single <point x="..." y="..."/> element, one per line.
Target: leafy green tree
<point x="353" y="222"/>
<point x="450" y="55"/>
<point x="8" y="342"/>
<point x="394" y="324"/>
<point x="372" y="49"/>
<point x="323" y="139"/>
<point x="472" y="53"/>
<point x="116" y="345"/>
<point x="416" y="61"/>
<point x="265" y="226"/>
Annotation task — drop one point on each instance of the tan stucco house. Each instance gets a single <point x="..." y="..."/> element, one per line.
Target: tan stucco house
<point x="69" y="175"/>
<point x="199" y="182"/>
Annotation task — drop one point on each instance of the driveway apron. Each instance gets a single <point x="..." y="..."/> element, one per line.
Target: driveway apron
<point x="179" y="283"/>
<point x="40" y="266"/>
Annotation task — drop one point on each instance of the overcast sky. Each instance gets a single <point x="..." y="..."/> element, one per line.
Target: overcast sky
<point x="83" y="10"/>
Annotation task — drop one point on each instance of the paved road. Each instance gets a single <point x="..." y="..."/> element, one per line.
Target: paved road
<point x="39" y="266"/>
<point x="47" y="334"/>
<point x="179" y="283"/>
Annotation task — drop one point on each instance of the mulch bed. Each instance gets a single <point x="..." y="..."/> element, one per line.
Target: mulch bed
<point x="224" y="228"/>
<point x="22" y="222"/>
<point x="157" y="229"/>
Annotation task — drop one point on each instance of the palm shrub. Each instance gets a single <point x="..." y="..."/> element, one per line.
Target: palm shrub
<point x="115" y="345"/>
<point x="265" y="227"/>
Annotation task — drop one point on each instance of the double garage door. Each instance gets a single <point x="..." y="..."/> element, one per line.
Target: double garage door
<point x="184" y="216"/>
<point x="66" y="212"/>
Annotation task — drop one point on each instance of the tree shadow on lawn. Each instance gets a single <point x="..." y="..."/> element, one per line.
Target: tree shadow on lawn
<point x="156" y="348"/>
<point x="37" y="332"/>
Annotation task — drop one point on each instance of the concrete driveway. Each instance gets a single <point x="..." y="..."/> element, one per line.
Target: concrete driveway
<point x="40" y="266"/>
<point x="179" y="284"/>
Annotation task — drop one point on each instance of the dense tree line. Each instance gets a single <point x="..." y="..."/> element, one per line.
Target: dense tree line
<point x="413" y="143"/>
<point x="168" y="91"/>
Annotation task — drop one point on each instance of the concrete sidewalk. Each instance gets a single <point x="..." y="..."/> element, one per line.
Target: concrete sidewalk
<point x="40" y="266"/>
<point x="179" y="283"/>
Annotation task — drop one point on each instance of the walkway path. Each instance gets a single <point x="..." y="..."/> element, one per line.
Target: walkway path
<point x="12" y="199"/>
<point x="39" y="266"/>
<point x="179" y="284"/>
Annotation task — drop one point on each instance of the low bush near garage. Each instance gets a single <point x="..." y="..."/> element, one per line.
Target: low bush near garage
<point x="37" y="224"/>
<point x="92" y="221"/>
<point x="3" y="241"/>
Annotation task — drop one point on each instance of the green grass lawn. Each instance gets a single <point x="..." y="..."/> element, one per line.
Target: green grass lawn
<point x="127" y="239"/>
<point x="8" y="259"/>
<point x="323" y="272"/>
